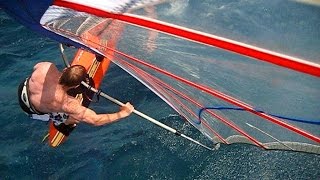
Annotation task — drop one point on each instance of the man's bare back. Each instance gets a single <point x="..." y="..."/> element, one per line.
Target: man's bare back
<point x="47" y="95"/>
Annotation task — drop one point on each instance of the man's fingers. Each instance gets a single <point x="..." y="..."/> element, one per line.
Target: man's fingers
<point x="127" y="107"/>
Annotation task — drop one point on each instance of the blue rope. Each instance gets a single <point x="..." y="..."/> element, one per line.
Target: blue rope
<point x="308" y="121"/>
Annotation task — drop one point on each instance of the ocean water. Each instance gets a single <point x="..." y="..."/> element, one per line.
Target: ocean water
<point x="130" y="149"/>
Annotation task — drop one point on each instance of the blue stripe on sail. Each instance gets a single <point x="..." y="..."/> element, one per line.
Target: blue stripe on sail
<point x="308" y="121"/>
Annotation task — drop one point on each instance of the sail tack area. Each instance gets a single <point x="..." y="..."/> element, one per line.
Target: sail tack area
<point x="189" y="71"/>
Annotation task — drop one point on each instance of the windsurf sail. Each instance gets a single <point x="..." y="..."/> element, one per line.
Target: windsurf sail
<point x="231" y="87"/>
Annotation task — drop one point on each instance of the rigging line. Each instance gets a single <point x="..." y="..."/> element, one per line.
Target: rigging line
<point x="204" y="38"/>
<point x="224" y="97"/>
<point x="316" y="122"/>
<point x="270" y="136"/>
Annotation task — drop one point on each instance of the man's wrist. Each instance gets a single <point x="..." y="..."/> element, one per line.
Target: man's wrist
<point x="123" y="113"/>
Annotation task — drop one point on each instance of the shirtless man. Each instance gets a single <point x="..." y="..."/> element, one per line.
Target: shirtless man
<point x="44" y="95"/>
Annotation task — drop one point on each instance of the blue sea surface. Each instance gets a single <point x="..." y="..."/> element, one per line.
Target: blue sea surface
<point x="129" y="149"/>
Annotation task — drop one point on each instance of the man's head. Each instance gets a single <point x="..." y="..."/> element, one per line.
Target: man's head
<point x="72" y="76"/>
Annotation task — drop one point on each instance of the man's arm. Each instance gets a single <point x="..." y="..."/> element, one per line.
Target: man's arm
<point x="78" y="113"/>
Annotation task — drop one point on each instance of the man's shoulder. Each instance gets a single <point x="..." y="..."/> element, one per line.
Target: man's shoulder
<point x="43" y="64"/>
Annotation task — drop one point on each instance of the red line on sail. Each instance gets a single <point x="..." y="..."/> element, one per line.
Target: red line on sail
<point x="140" y="71"/>
<point x="225" y="98"/>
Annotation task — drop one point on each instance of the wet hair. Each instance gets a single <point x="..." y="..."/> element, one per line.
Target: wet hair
<point x="72" y="76"/>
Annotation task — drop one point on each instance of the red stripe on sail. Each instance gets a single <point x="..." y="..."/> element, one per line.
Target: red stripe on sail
<point x="208" y="39"/>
